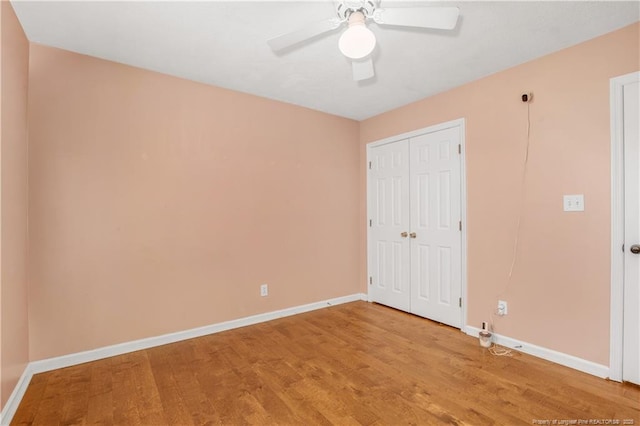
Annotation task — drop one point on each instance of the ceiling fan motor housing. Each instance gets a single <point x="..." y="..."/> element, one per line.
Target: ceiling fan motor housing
<point x="345" y="8"/>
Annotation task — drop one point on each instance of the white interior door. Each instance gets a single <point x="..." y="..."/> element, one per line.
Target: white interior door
<point x="436" y="266"/>
<point x="631" y="290"/>
<point x="389" y="225"/>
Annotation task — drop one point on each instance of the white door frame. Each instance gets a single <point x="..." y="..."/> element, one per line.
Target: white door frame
<point x="617" y="222"/>
<point x="463" y="202"/>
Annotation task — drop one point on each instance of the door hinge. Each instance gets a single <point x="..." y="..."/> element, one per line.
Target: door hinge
<point x="370" y="280"/>
<point x="370" y="223"/>
<point x="459" y="148"/>
<point x="460" y="302"/>
<point x="460" y="225"/>
<point x="369" y="165"/>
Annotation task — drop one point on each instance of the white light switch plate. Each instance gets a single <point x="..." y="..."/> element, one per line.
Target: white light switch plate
<point x="574" y="203"/>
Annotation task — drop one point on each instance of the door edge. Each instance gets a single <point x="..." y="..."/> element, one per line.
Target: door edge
<point x="617" y="222"/>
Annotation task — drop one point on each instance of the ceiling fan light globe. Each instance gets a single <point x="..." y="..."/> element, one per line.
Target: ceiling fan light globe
<point x="357" y="42"/>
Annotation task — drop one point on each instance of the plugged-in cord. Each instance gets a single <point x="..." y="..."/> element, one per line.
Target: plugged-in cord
<point x="495" y="349"/>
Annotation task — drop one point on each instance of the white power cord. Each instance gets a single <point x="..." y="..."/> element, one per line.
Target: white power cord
<point x="495" y="349"/>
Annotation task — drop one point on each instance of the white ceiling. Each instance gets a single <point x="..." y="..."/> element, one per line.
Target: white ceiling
<point x="223" y="43"/>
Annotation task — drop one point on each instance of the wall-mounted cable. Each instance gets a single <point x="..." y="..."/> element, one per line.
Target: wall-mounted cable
<point x="526" y="98"/>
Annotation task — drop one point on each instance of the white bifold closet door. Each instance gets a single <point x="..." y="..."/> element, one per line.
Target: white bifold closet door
<point x="389" y="246"/>
<point x="415" y="247"/>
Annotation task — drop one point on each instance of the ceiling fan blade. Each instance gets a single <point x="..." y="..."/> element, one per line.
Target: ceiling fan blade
<point x="362" y="69"/>
<point x="442" y="18"/>
<point x="309" y="31"/>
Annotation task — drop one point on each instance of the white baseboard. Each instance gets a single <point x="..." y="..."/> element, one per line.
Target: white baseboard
<point x="13" y="402"/>
<point x="561" y="358"/>
<point x="44" y="365"/>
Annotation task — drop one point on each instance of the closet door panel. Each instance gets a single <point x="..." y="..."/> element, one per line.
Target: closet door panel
<point x="435" y="214"/>
<point x="389" y="209"/>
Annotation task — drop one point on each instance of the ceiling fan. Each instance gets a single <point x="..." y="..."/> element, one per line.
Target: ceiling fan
<point x="357" y="41"/>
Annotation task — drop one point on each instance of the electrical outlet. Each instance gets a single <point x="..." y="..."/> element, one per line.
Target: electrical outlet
<point x="264" y="290"/>
<point x="502" y="307"/>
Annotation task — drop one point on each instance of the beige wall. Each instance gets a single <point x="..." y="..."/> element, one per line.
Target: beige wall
<point x="559" y="293"/>
<point x="14" y="66"/>
<point x="159" y="204"/>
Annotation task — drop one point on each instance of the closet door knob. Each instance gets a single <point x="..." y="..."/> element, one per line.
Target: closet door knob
<point x="412" y="235"/>
<point x="635" y="249"/>
<point x="404" y="234"/>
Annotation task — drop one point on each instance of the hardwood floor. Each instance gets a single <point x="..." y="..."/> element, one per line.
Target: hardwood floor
<point x="357" y="363"/>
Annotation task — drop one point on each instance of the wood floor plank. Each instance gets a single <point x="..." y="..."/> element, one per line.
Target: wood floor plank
<point x="31" y="406"/>
<point x="74" y="408"/>
<point x="168" y="387"/>
<point x="100" y="404"/>
<point x="125" y="395"/>
<point x="352" y="364"/>
<point x="50" y="404"/>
